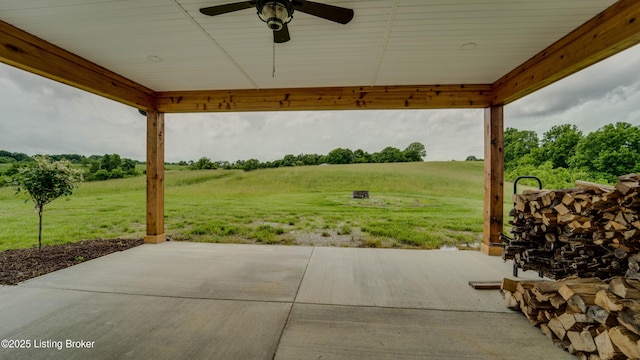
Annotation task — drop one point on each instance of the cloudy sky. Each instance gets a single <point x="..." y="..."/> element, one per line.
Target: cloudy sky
<point x="40" y="116"/>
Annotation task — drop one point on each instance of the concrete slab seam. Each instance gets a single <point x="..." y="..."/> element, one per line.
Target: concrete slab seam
<point x="160" y="296"/>
<point x="409" y="308"/>
<point x="294" y="301"/>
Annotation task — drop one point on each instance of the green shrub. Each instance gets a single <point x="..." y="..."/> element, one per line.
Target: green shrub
<point x="345" y="230"/>
<point x="266" y="234"/>
<point x="101" y="174"/>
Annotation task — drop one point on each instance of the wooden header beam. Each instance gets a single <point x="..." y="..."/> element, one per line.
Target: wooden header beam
<point x="329" y="98"/>
<point x="615" y="29"/>
<point x="30" y="53"/>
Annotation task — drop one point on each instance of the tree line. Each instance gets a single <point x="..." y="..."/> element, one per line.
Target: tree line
<point x="414" y="152"/>
<point x="94" y="167"/>
<point x="565" y="154"/>
<point x="113" y="166"/>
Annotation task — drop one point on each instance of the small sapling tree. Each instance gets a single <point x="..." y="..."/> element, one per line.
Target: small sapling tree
<point x="45" y="181"/>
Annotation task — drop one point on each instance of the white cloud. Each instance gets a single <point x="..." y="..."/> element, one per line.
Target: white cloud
<point x="42" y="116"/>
<point x="270" y="136"/>
<point x="601" y="94"/>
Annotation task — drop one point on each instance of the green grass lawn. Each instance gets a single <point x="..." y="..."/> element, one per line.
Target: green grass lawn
<point x="424" y="205"/>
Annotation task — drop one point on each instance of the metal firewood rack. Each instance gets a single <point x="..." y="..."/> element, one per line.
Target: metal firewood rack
<point x="505" y="239"/>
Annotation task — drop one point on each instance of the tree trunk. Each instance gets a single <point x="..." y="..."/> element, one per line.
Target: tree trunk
<point x="40" y="209"/>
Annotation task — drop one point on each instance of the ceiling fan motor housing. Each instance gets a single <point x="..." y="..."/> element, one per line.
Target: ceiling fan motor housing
<point x="275" y="13"/>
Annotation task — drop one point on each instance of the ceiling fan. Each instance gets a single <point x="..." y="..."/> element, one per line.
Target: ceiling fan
<point x="278" y="13"/>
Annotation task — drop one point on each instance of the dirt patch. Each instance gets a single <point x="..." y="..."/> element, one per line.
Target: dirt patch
<point x="327" y="238"/>
<point x="23" y="264"/>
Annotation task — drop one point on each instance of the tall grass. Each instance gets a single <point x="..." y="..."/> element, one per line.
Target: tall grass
<point x="411" y="204"/>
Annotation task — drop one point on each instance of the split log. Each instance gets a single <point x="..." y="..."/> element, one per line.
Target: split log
<point x="606" y="350"/>
<point x="626" y="341"/>
<point x="577" y="304"/>
<point x="567" y="320"/>
<point x="633" y="266"/>
<point x="555" y="325"/>
<point x="598" y="314"/>
<point x="608" y="301"/>
<point x="597" y="188"/>
<point x="607" y="329"/>
<point x="582" y="341"/>
<point x="623" y="289"/>
<point x="510" y="301"/>
<point x="509" y="285"/>
<point x="624" y="186"/>
<point x="630" y="317"/>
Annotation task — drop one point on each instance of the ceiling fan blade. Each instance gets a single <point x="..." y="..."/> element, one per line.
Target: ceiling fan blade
<point x="281" y="36"/>
<point x="330" y="12"/>
<point x="227" y="8"/>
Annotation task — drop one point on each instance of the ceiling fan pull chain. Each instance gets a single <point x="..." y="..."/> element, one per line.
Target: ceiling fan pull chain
<point x="273" y="74"/>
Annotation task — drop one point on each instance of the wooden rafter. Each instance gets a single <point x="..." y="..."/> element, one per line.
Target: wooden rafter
<point x="615" y="29"/>
<point x="30" y="53"/>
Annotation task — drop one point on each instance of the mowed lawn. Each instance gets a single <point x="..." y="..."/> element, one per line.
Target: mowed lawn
<point x="425" y="205"/>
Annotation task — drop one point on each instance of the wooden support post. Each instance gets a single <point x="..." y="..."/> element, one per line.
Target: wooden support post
<point x="155" y="178"/>
<point x="493" y="179"/>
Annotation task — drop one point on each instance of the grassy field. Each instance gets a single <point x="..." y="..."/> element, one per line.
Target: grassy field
<point x="424" y="205"/>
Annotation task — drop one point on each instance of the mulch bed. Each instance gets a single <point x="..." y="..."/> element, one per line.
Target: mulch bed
<point x="23" y="264"/>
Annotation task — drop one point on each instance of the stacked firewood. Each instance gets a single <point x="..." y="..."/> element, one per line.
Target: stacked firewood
<point x="592" y="230"/>
<point x="589" y="317"/>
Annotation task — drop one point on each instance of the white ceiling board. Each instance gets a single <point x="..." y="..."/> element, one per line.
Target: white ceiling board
<point x="389" y="42"/>
<point x="427" y="38"/>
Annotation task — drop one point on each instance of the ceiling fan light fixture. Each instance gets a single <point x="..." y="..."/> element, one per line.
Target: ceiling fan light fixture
<point x="275" y="13"/>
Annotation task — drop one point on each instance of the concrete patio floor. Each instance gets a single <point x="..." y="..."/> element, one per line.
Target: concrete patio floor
<point x="223" y="301"/>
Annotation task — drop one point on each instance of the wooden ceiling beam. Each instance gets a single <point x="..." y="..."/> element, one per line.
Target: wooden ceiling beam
<point x="30" y="53"/>
<point x="615" y="29"/>
<point x="328" y="98"/>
